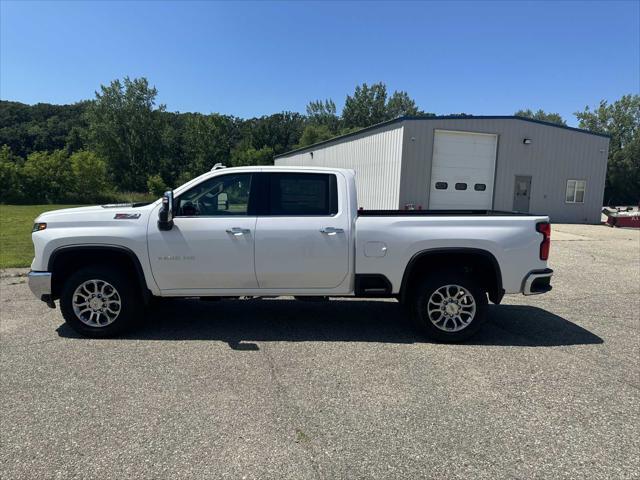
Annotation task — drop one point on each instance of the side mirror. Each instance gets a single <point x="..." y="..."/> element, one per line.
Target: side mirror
<point x="165" y="215"/>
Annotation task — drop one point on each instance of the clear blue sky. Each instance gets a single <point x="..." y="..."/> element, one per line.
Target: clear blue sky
<point x="250" y="59"/>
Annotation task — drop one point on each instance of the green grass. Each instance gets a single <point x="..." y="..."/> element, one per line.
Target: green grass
<point x="16" y="222"/>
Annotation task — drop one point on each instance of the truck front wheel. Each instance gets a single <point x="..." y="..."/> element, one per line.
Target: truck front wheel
<point x="99" y="302"/>
<point x="449" y="307"/>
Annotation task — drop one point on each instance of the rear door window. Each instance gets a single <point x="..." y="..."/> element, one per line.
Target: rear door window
<point x="303" y="194"/>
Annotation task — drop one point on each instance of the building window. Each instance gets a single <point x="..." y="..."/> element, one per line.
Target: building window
<point x="461" y="186"/>
<point x="441" y="185"/>
<point x="575" y="191"/>
<point x="479" y="187"/>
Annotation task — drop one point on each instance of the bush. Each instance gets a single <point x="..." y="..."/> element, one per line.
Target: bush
<point x="244" y="155"/>
<point x="10" y="181"/>
<point x="90" y="180"/>
<point x="314" y="134"/>
<point x="55" y="177"/>
<point x="156" y="185"/>
<point x="47" y="177"/>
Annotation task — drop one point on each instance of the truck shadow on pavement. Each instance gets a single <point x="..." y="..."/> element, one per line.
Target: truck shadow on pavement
<point x="240" y="323"/>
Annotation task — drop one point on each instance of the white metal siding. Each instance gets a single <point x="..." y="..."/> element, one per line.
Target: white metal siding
<point x="375" y="157"/>
<point x="462" y="158"/>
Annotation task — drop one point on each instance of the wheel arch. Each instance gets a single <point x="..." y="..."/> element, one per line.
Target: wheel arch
<point x="63" y="261"/>
<point x="482" y="263"/>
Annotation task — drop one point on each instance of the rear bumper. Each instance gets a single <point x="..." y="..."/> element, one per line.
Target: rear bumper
<point x="537" y="282"/>
<point x="40" y="285"/>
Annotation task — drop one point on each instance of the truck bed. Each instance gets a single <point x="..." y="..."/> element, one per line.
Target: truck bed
<point x="386" y="240"/>
<point x="441" y="213"/>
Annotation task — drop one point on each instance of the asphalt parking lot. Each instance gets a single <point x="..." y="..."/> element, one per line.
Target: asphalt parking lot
<point x="284" y="389"/>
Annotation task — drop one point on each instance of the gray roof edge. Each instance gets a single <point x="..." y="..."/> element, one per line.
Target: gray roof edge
<point x="455" y="117"/>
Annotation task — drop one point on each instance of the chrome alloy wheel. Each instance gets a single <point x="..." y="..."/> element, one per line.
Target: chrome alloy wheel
<point x="451" y="308"/>
<point x="96" y="303"/>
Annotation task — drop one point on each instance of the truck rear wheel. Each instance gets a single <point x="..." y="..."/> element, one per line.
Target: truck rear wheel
<point x="449" y="307"/>
<point x="99" y="302"/>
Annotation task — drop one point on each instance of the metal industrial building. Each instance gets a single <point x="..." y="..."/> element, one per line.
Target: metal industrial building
<point x="497" y="162"/>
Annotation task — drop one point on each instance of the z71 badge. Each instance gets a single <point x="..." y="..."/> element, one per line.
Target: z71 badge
<point x="126" y="216"/>
<point x="177" y="257"/>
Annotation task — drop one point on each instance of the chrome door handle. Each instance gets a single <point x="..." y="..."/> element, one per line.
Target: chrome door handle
<point x="237" y="231"/>
<point x="331" y="230"/>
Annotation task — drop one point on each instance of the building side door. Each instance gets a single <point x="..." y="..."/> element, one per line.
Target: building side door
<point x="522" y="193"/>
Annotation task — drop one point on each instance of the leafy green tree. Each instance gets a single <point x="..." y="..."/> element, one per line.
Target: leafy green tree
<point x="245" y="154"/>
<point x="10" y="182"/>
<point x="314" y="134"/>
<point x="620" y="120"/>
<point x="280" y="132"/>
<point x="400" y="105"/>
<point x="367" y="106"/>
<point x="125" y="128"/>
<point x="90" y="180"/>
<point x="541" y="115"/>
<point x="623" y="175"/>
<point x="208" y="139"/>
<point x="76" y="139"/>
<point x="172" y="159"/>
<point x="47" y="177"/>
<point x="29" y="128"/>
<point x="323" y="113"/>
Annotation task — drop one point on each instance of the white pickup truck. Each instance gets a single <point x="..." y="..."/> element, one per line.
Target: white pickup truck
<point x="270" y="231"/>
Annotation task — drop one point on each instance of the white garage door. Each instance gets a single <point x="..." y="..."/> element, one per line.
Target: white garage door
<point x="462" y="170"/>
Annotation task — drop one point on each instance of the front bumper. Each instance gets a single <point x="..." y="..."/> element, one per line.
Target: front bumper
<point x="537" y="282"/>
<point x="40" y="285"/>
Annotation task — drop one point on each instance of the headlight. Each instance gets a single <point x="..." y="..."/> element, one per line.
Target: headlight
<point x="38" y="226"/>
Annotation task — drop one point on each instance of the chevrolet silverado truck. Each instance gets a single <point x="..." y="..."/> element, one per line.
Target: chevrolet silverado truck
<point x="272" y="231"/>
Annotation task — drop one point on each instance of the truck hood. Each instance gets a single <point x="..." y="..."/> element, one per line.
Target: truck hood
<point x="96" y="215"/>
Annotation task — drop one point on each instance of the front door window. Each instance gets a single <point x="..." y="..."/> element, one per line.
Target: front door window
<point x="221" y="195"/>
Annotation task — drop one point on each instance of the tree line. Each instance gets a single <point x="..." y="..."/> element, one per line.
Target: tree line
<point x="123" y="143"/>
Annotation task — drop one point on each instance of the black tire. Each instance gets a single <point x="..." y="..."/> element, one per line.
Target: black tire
<point x="127" y="294"/>
<point x="422" y="293"/>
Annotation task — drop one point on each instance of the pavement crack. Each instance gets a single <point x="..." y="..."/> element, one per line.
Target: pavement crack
<point x="301" y="438"/>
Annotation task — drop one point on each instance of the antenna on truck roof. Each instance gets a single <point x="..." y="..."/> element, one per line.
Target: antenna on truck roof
<point x="218" y="166"/>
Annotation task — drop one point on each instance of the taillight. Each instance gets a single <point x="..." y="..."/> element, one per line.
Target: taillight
<point x="545" y="229"/>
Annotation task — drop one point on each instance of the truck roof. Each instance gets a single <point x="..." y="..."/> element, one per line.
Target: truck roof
<point x="348" y="173"/>
<point x="262" y="168"/>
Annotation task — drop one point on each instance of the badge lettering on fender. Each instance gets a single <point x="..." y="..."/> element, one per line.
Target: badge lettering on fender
<point x="177" y="257"/>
